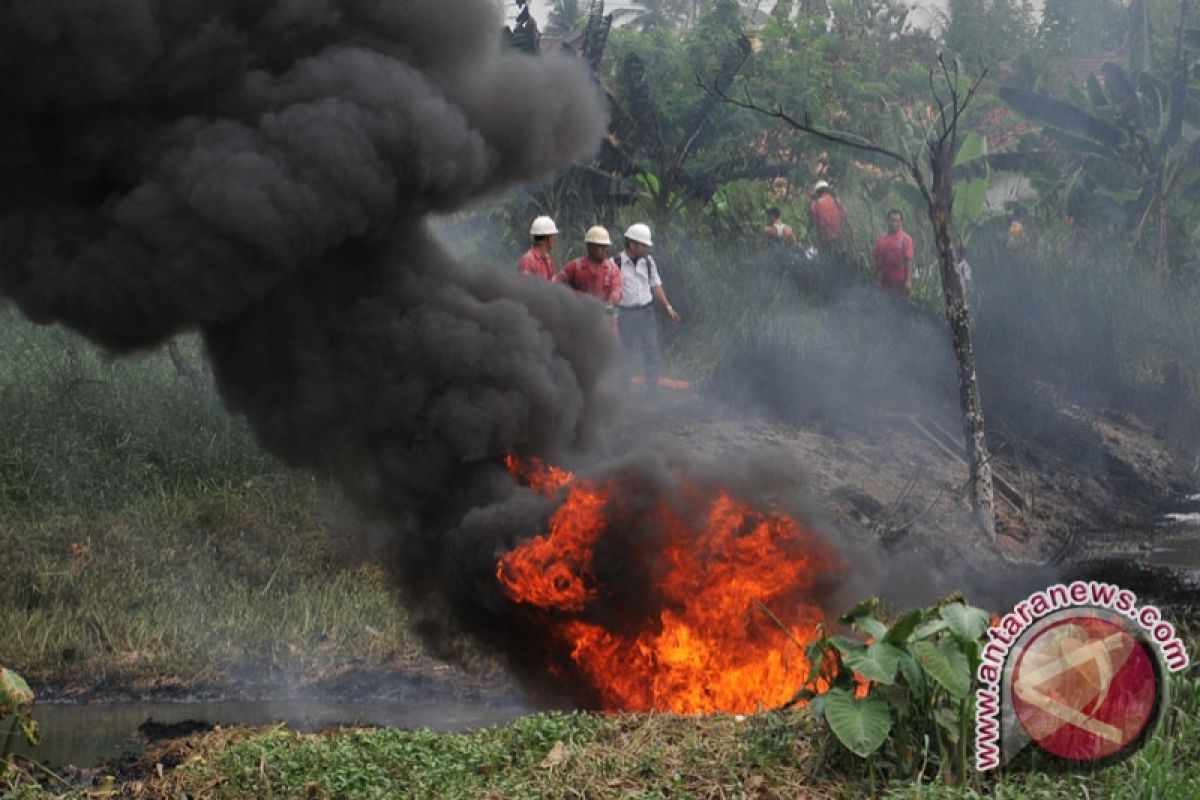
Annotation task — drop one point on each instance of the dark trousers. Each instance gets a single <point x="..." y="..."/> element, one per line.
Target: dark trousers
<point x="639" y="331"/>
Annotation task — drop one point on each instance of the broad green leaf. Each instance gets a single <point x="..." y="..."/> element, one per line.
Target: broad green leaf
<point x="846" y="646"/>
<point x="913" y="674"/>
<point x="1064" y="116"/>
<point x="973" y="146"/>
<point x="15" y="694"/>
<point x="969" y="199"/>
<point x="863" y="609"/>
<point x="871" y="627"/>
<point x="930" y="628"/>
<point x="876" y="662"/>
<point x="946" y="664"/>
<point x="861" y="725"/>
<point x="903" y="628"/>
<point x="966" y="621"/>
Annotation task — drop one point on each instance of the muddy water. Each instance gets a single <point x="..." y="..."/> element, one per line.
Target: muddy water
<point x="84" y="735"/>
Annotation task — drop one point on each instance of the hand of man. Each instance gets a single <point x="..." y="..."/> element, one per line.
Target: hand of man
<point x="673" y="314"/>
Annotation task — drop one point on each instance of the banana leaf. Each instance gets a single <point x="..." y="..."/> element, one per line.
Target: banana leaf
<point x="1063" y="116"/>
<point x="1096" y="92"/>
<point x="1077" y="144"/>
<point x="1124" y="95"/>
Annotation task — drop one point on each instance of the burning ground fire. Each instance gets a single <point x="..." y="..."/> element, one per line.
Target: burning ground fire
<point x="693" y="605"/>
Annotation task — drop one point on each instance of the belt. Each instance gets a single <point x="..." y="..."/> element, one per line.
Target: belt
<point x="637" y="308"/>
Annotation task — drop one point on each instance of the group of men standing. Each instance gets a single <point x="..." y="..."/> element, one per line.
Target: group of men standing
<point x="628" y="284"/>
<point x="828" y="229"/>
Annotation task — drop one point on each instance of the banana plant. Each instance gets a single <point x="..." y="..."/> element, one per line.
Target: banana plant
<point x="1128" y="149"/>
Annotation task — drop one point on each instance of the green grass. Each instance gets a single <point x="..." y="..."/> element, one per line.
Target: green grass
<point x="147" y="541"/>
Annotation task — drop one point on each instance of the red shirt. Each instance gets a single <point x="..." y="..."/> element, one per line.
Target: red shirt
<point x="602" y="281"/>
<point x="535" y="262"/>
<point x="828" y="217"/>
<point x="893" y="254"/>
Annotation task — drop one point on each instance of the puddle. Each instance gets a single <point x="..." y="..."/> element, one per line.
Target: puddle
<point x="84" y="735"/>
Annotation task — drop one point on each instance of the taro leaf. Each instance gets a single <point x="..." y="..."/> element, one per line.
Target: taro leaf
<point x="973" y="146"/>
<point x="1096" y="92"/>
<point x="930" y="628"/>
<point x="876" y="662"/>
<point x="15" y="694"/>
<point x="967" y="622"/>
<point x="846" y="646"/>
<point x="861" y="725"/>
<point x="946" y="664"/>
<point x="860" y="617"/>
<point x="912" y="673"/>
<point x="903" y="628"/>
<point x="1066" y="117"/>
<point x="863" y="609"/>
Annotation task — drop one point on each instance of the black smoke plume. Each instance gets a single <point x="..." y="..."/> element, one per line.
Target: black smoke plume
<point x="259" y="170"/>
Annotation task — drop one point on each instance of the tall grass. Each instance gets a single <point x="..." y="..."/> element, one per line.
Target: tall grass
<point x="83" y="432"/>
<point x="145" y="537"/>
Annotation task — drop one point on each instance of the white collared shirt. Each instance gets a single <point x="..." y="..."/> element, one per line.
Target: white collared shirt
<point x="637" y="279"/>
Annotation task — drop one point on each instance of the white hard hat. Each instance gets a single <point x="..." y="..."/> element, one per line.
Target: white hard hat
<point x="639" y="233"/>
<point x="543" y="226"/>
<point x="596" y="235"/>
<point x="819" y="185"/>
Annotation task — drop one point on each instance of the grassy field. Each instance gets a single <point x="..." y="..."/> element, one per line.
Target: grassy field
<point x="148" y="542"/>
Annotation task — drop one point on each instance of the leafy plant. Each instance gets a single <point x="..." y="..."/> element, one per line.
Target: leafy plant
<point x="16" y="701"/>
<point x="907" y="686"/>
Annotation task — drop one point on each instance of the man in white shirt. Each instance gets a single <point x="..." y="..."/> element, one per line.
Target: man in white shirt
<point x="641" y="285"/>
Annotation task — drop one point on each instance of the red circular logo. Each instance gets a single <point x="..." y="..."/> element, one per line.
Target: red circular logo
<point x="1085" y="688"/>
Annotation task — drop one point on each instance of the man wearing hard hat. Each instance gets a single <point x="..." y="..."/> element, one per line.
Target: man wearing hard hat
<point x="826" y="217"/>
<point x="537" y="260"/>
<point x="641" y="285"/>
<point x="595" y="273"/>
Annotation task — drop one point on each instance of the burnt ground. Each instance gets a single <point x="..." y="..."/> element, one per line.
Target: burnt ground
<point x="1088" y="491"/>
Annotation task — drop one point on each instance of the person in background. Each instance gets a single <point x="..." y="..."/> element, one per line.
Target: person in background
<point x="893" y="254"/>
<point x="826" y="217"/>
<point x="595" y="273"/>
<point x="641" y="286"/>
<point x="537" y="260"/>
<point x="777" y="231"/>
<point x="1016" y="228"/>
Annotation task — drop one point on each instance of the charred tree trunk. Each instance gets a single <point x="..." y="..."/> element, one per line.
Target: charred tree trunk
<point x="958" y="315"/>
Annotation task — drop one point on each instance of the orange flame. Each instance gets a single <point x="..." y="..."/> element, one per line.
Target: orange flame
<point x="724" y="586"/>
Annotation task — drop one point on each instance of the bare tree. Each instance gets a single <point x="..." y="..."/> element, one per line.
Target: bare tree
<point x="938" y="150"/>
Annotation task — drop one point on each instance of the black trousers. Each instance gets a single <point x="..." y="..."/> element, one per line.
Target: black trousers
<point x="639" y="332"/>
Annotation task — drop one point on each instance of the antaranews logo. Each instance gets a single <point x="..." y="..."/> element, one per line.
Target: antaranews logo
<point x="1078" y="671"/>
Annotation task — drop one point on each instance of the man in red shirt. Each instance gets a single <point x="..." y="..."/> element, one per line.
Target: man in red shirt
<point x="537" y="260"/>
<point x="893" y="255"/>
<point x="826" y="217"/>
<point x="595" y="273"/>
